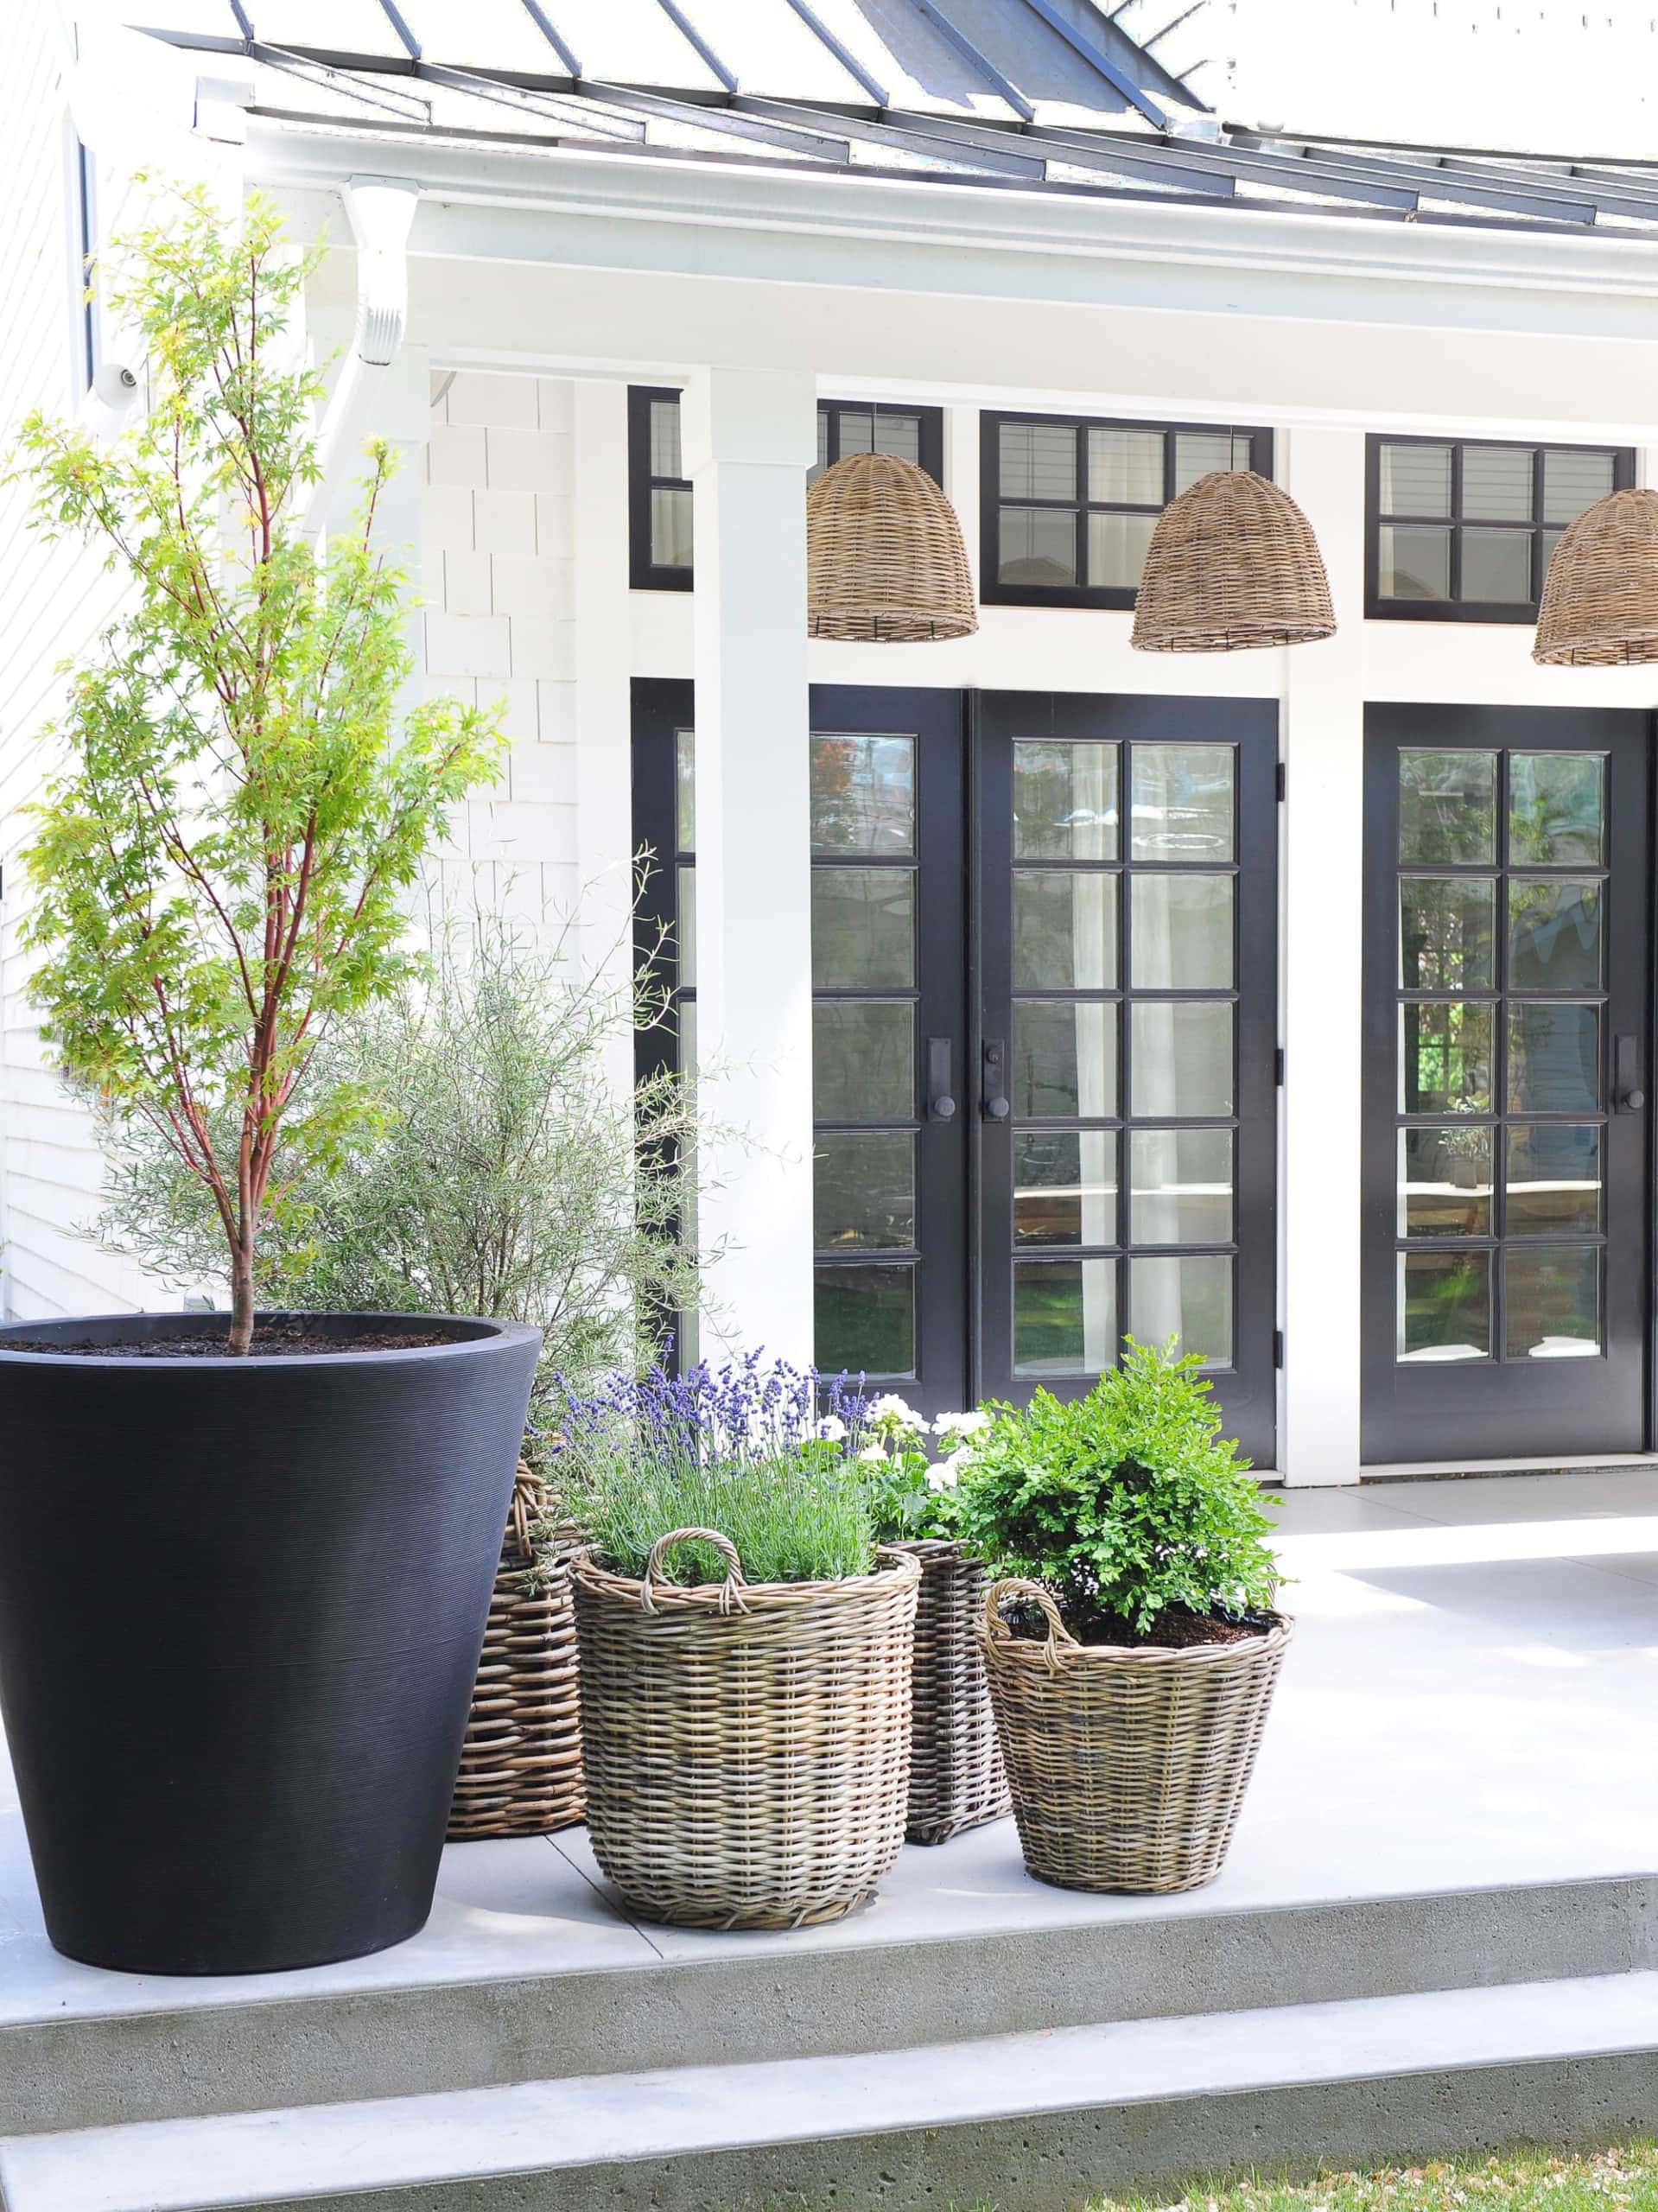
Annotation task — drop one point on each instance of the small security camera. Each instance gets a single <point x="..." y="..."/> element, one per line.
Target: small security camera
<point x="114" y="384"/>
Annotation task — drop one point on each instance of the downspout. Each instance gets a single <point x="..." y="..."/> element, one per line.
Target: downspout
<point x="381" y="211"/>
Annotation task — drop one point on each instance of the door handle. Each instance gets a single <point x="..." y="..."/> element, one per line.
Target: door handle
<point x="941" y="1106"/>
<point x="993" y="1101"/>
<point x="1627" y="1096"/>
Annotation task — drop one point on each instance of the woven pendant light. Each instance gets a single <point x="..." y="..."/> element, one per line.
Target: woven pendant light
<point x="1232" y="563"/>
<point x="1600" y="596"/>
<point x="884" y="560"/>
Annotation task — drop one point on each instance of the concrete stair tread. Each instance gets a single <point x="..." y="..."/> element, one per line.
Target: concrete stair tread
<point x="185" y="2052"/>
<point x="456" y="2141"/>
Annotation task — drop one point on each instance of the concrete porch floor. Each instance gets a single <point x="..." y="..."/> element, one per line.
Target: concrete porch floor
<point x="1470" y="1700"/>
<point x="1465" y="1722"/>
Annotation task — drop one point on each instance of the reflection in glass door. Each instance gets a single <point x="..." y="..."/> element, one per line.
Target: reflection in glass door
<point x="1126" y="901"/>
<point x="1506" y="1043"/>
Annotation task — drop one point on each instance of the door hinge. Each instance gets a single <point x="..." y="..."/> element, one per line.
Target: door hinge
<point x="1278" y="1347"/>
<point x="1278" y="1068"/>
<point x="1282" y="779"/>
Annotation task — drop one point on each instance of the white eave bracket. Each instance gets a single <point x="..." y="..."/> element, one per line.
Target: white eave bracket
<point x="381" y="210"/>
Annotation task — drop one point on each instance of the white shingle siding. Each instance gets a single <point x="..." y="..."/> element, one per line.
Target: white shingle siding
<point x="497" y="544"/>
<point x="52" y="600"/>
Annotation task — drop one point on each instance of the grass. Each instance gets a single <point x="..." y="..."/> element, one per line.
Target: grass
<point x="1519" y="2181"/>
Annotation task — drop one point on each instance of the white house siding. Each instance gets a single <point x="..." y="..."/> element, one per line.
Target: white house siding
<point x="51" y="603"/>
<point x="498" y="573"/>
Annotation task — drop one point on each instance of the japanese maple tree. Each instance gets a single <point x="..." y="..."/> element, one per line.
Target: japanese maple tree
<point x="244" y="796"/>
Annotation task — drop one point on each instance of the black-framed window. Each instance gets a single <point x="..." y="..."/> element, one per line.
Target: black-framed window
<point x="1463" y="530"/>
<point x="1068" y="503"/>
<point x="846" y="426"/>
<point x="659" y="491"/>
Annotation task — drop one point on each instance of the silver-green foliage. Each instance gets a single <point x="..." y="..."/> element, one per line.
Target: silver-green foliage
<point x="495" y="1169"/>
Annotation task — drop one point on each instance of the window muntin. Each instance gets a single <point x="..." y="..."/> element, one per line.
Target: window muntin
<point x="659" y="491"/>
<point x="1463" y="530"/>
<point x="1069" y="504"/>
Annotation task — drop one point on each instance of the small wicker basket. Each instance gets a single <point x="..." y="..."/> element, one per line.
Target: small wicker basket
<point x="747" y="1745"/>
<point x="521" y="1766"/>
<point x="1127" y="1767"/>
<point x="956" y="1779"/>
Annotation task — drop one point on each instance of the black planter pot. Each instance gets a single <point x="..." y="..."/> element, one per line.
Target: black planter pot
<point x="241" y="1607"/>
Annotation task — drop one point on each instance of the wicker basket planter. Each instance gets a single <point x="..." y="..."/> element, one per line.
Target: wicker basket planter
<point x="1127" y="1767"/>
<point x="521" y="1766"/>
<point x="956" y="1779"/>
<point x="747" y="1746"/>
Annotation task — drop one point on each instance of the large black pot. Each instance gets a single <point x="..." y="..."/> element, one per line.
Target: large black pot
<point x="241" y="1607"/>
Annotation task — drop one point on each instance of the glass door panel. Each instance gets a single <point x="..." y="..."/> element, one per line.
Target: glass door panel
<point x="1507" y="1028"/>
<point x="1126" y="926"/>
<point x="887" y="987"/>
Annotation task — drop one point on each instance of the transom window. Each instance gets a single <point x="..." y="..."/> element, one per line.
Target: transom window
<point x="1464" y="532"/>
<point x="1068" y="504"/>
<point x="659" y="519"/>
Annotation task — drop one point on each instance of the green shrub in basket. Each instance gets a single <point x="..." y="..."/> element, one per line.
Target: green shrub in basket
<point x="1127" y="1503"/>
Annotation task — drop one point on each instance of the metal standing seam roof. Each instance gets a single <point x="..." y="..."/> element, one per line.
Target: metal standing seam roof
<point x="1020" y="95"/>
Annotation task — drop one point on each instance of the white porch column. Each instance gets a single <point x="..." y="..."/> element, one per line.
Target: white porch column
<point x="1323" y="931"/>
<point x="749" y="437"/>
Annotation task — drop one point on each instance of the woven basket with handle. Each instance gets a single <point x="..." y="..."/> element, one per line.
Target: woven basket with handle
<point x="956" y="1780"/>
<point x="520" y="1767"/>
<point x="747" y="1745"/>
<point x="1127" y="1767"/>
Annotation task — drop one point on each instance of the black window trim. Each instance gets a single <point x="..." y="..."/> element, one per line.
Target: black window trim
<point x="1454" y="609"/>
<point x="991" y="591"/>
<point x="646" y="575"/>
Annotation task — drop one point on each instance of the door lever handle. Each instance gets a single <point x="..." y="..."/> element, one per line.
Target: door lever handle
<point x="1627" y="1097"/>
<point x="992" y="1096"/>
<point x="941" y="1106"/>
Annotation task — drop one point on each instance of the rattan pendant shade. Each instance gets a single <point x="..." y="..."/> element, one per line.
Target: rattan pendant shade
<point x="1232" y="563"/>
<point x="885" y="560"/>
<point x="1600" y="596"/>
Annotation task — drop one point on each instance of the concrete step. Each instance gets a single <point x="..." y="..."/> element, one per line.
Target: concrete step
<point x="919" y="1968"/>
<point x="1030" y="2122"/>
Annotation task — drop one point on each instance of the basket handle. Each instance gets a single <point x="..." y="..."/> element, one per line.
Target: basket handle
<point x="1060" y="1638"/>
<point x="730" y="1590"/>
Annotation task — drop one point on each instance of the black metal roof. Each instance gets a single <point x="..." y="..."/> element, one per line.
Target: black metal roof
<point x="1015" y="94"/>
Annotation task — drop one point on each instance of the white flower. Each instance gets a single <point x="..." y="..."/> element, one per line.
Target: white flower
<point x="960" y="1425"/>
<point x="944" y="1474"/>
<point x="892" y="1416"/>
<point x="831" y="1429"/>
<point x="873" y="1455"/>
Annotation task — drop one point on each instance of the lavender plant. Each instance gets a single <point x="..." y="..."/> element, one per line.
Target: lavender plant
<point x="764" y="1452"/>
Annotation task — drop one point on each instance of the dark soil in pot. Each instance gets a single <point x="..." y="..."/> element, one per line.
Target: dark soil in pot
<point x="241" y="1607"/>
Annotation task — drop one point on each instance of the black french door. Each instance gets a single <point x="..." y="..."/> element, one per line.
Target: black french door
<point x="1506" y="1043"/>
<point x="1125" y="880"/>
<point x="1043" y="952"/>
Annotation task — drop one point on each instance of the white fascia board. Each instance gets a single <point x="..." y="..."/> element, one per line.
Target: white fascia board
<point x="495" y="203"/>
